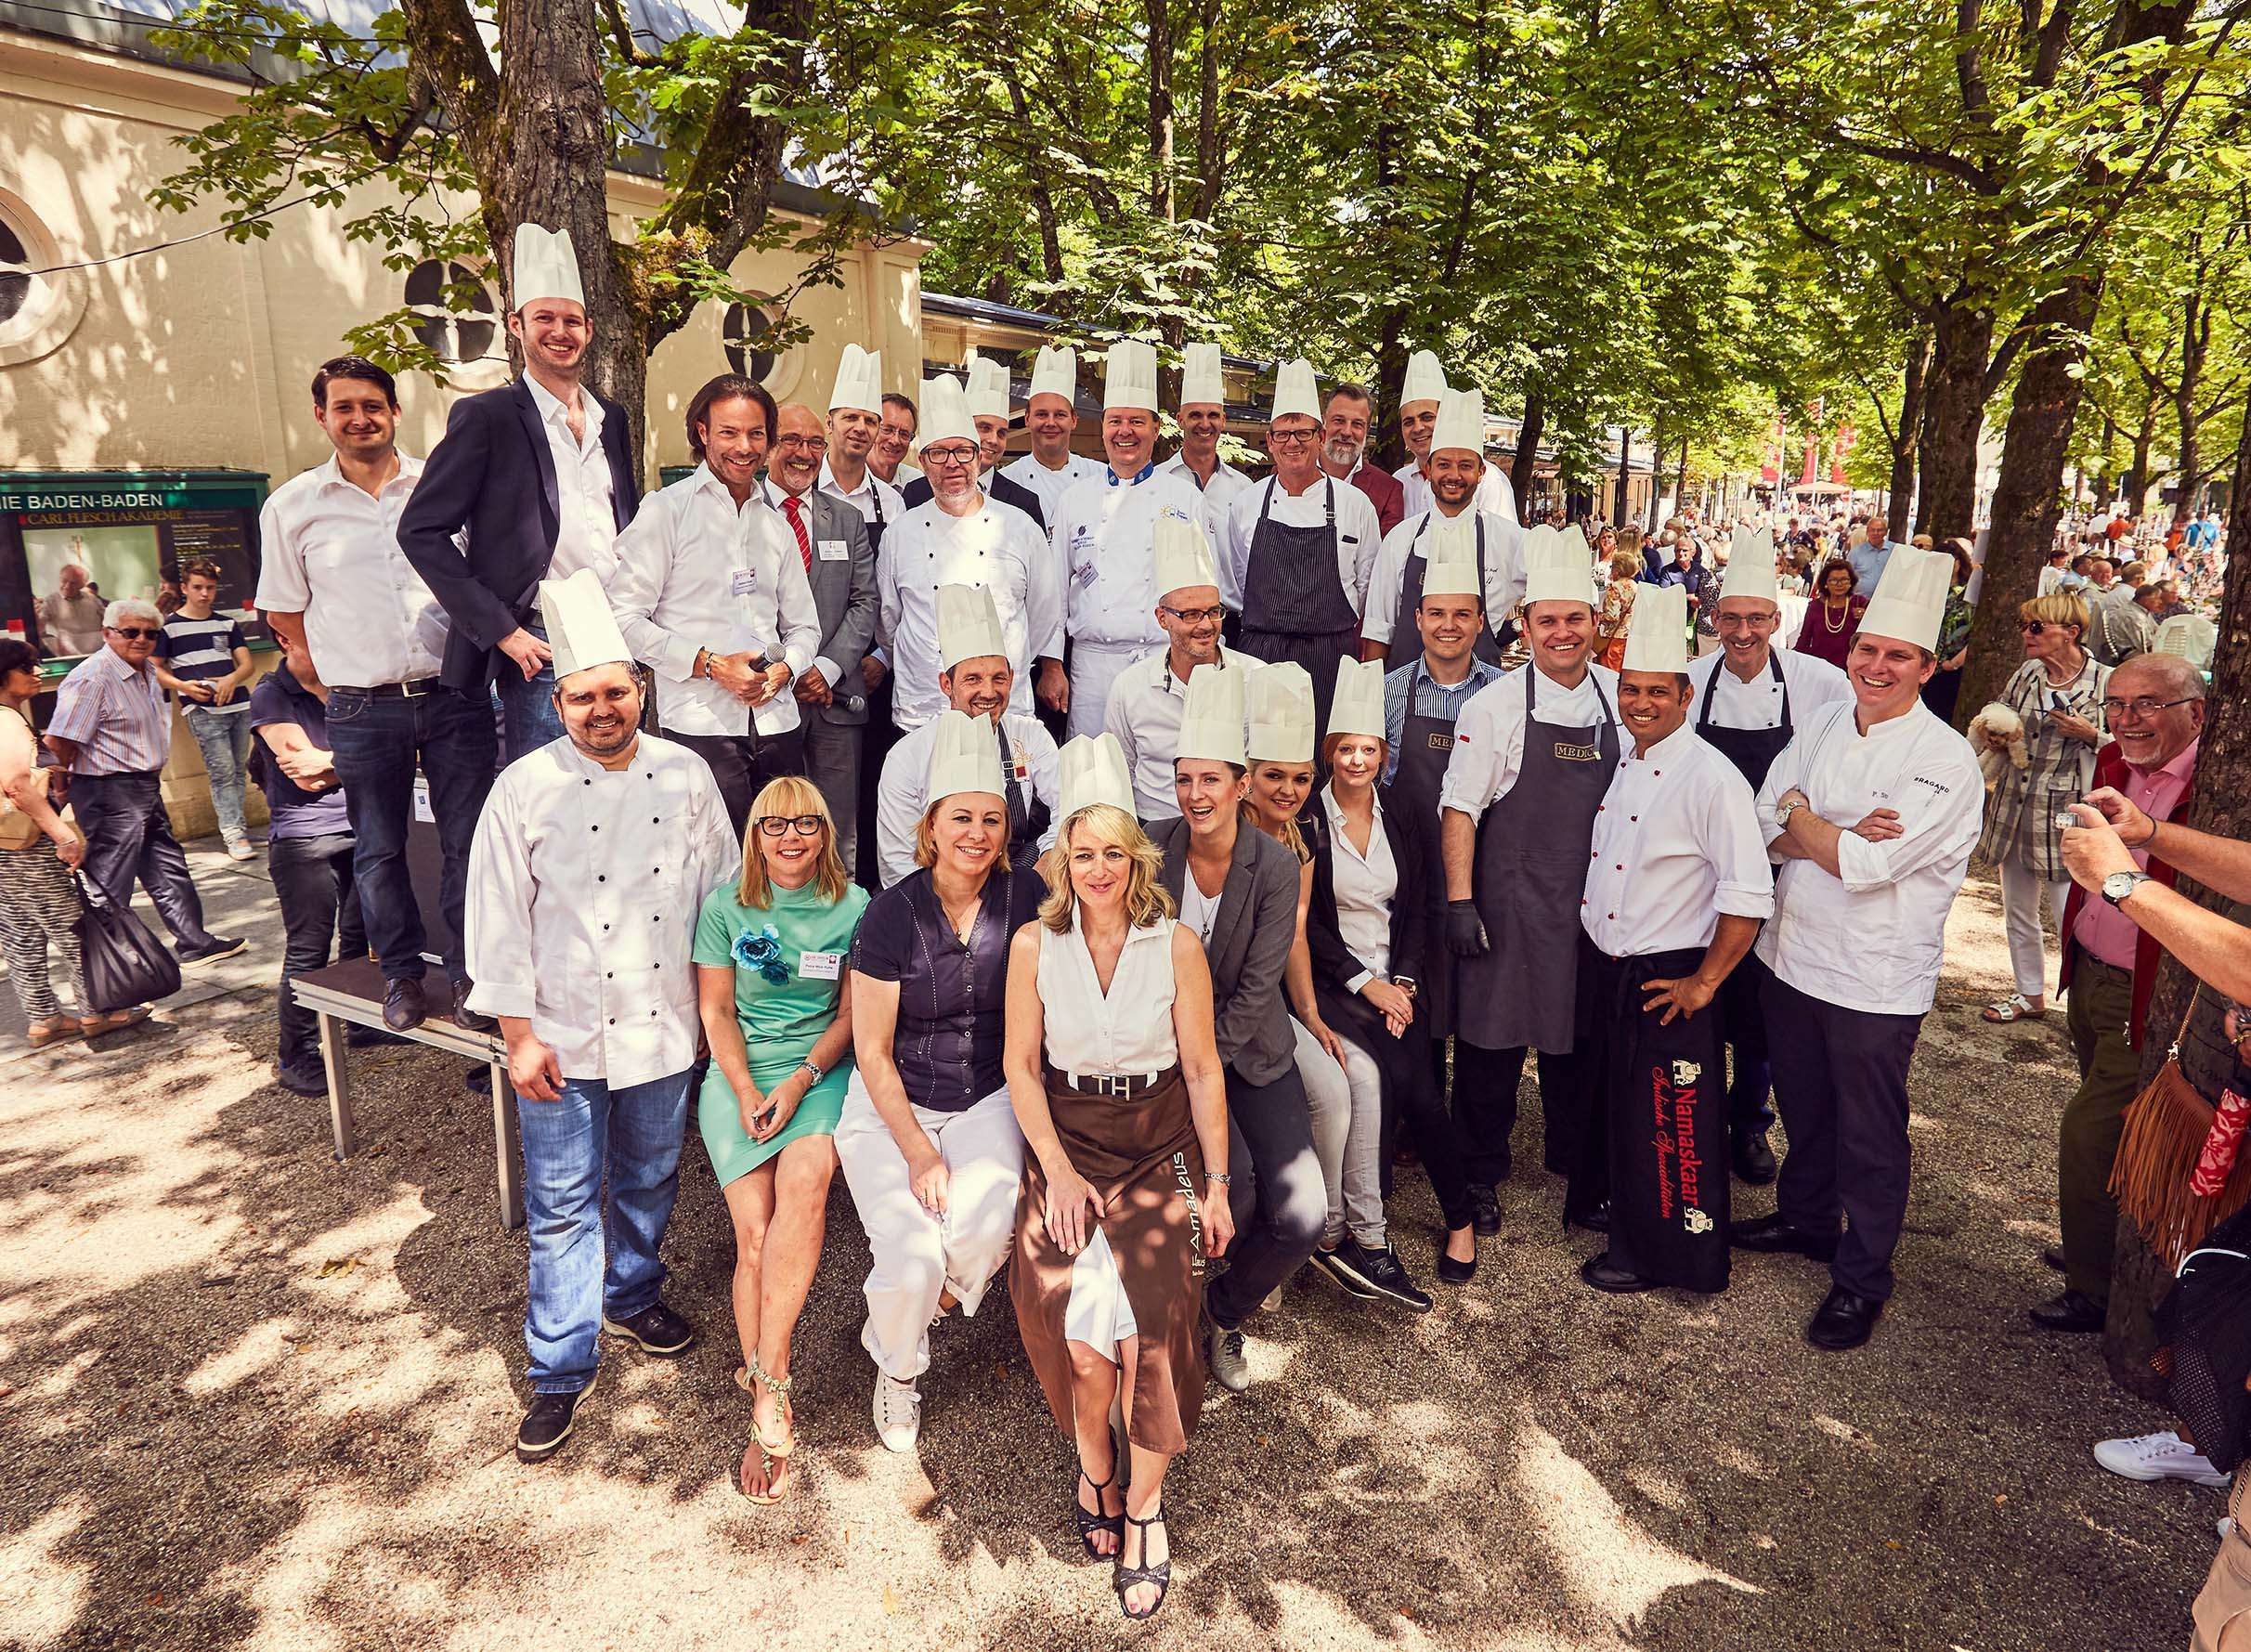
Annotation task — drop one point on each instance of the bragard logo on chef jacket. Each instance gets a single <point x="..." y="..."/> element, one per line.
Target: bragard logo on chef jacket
<point x="1577" y="754"/>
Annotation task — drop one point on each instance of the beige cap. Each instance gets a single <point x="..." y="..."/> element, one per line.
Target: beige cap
<point x="988" y="392"/>
<point x="1425" y="379"/>
<point x="1201" y="380"/>
<point x="1180" y="557"/>
<point x="1092" y="770"/>
<point x="859" y="381"/>
<point x="1556" y="567"/>
<point x="965" y="756"/>
<point x="545" y="266"/>
<point x="1658" y="638"/>
<point x="1281" y="714"/>
<point x="945" y="414"/>
<point x="1211" y="723"/>
<point x="1294" y="391"/>
<point x="1911" y="601"/>
<point x="1461" y="422"/>
<point x="1359" y="706"/>
<point x="1750" y="567"/>
<point x="579" y="626"/>
<point x="968" y="626"/>
<point x="1130" y="375"/>
<point x="1055" y="373"/>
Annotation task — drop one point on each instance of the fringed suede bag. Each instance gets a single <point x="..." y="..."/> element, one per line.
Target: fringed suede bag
<point x="2179" y="1172"/>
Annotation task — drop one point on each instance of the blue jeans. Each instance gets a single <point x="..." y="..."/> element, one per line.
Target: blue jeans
<point x="376" y="742"/>
<point x="225" y="739"/>
<point x="528" y="706"/>
<point x="592" y="1255"/>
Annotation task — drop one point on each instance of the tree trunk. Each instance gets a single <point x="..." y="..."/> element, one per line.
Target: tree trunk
<point x="1210" y="158"/>
<point x="1625" y="462"/>
<point x="1904" y="434"/>
<point x="2106" y="479"/>
<point x="1159" y="21"/>
<point x="1386" y="447"/>
<point x="2195" y="342"/>
<point x="1527" y="452"/>
<point x="1657" y="468"/>
<point x="2138" y="479"/>
<point x="1962" y="341"/>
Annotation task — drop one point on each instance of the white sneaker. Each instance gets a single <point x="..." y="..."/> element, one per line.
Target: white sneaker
<point x="898" y="1413"/>
<point x="240" y="850"/>
<point x="2227" y="1525"/>
<point x="2162" y="1456"/>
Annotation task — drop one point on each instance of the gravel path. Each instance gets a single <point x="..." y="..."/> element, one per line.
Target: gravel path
<point x="251" y="1399"/>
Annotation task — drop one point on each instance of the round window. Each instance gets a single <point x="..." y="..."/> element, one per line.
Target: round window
<point x="744" y="332"/>
<point x="450" y="334"/>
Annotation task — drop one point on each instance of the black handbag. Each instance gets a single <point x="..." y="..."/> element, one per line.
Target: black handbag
<point x="124" y="964"/>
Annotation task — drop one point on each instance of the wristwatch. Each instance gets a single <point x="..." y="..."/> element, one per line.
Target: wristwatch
<point x="1405" y="983"/>
<point x="809" y="1065"/>
<point x="1786" y="810"/>
<point x="2119" y="885"/>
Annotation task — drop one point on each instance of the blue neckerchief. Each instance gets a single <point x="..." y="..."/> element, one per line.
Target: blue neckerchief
<point x="1146" y="472"/>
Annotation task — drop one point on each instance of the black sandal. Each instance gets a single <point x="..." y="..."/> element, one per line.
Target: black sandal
<point x="1098" y="1521"/>
<point x="1159" y="1574"/>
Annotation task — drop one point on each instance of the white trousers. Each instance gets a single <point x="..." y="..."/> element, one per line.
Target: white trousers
<point x="2021" y="888"/>
<point x="1329" y="1103"/>
<point x="917" y="1255"/>
<point x="1094" y="667"/>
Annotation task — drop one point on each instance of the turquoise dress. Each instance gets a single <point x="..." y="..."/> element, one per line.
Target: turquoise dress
<point x="782" y="1010"/>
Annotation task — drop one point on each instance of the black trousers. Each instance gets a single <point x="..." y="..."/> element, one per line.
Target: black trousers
<point x="319" y="904"/>
<point x="1277" y="1196"/>
<point x="1841" y="1077"/>
<point x="1743" y="1017"/>
<point x="129" y="839"/>
<point x="1485" y="1084"/>
<point x="743" y="763"/>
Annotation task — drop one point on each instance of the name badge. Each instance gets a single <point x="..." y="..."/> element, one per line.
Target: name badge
<point x="1577" y="754"/>
<point x="746" y="581"/>
<point x="1085" y="575"/>
<point x="835" y="550"/>
<point x="819" y="966"/>
<point x="1439" y="742"/>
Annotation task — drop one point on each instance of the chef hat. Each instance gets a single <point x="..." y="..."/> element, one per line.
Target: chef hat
<point x="1359" y="706"/>
<point x="1090" y="770"/>
<point x="963" y="757"/>
<point x="1281" y="699"/>
<point x="859" y="381"/>
<point x="1751" y="566"/>
<point x="968" y="626"/>
<point x="1461" y="421"/>
<point x="1657" y="641"/>
<point x="1425" y="379"/>
<point x="1211" y="723"/>
<point x="1130" y="375"/>
<point x="1295" y="392"/>
<point x="1055" y="373"/>
<point x="546" y="266"/>
<point x="1180" y="556"/>
<point x="1199" y="377"/>
<point x="946" y="413"/>
<point x="1556" y="567"/>
<point x="1451" y="571"/>
<point x="988" y="392"/>
<point x="579" y="626"/>
<point x="1910" y="600"/>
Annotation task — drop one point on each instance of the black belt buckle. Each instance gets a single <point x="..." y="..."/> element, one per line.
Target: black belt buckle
<point x="420" y="687"/>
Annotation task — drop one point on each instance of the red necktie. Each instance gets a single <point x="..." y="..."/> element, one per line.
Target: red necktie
<point x="797" y="520"/>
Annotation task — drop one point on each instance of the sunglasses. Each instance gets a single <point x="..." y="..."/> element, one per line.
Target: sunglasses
<point x="2034" y="628"/>
<point x="136" y="633"/>
<point x="773" y="826"/>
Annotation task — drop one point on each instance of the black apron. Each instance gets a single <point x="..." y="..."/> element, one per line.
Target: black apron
<point x="878" y="736"/>
<point x="1425" y="747"/>
<point x="1406" y="641"/>
<point x="1752" y="751"/>
<point x="1531" y="877"/>
<point x="1294" y="607"/>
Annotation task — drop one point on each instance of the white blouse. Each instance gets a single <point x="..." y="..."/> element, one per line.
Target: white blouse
<point x="1364" y="886"/>
<point x="1126" y="1030"/>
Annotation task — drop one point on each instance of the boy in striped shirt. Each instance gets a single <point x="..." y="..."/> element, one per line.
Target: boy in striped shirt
<point x="204" y="659"/>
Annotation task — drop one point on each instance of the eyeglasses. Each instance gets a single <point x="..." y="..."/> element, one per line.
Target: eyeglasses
<point x="1196" y="615"/>
<point x="1293" y="437"/>
<point x="134" y="632"/>
<point x="2145" y="707"/>
<point x="810" y="444"/>
<point x="935" y="456"/>
<point x="773" y="826"/>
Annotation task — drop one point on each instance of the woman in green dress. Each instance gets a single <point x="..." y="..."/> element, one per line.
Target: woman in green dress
<point x="769" y="952"/>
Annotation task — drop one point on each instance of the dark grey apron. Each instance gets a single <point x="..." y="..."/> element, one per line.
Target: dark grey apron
<point x="1406" y="641"/>
<point x="1425" y="748"/>
<point x="1294" y="607"/>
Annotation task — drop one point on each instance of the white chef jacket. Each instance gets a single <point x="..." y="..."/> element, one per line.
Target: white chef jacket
<point x="1103" y="532"/>
<point x="997" y="547"/>
<point x="1676" y="844"/>
<point x="1813" y="682"/>
<point x="588" y="525"/>
<point x="1873" y="938"/>
<point x="903" y="793"/>
<point x="1052" y="485"/>
<point x="1494" y="493"/>
<point x="1489" y="736"/>
<point x="1217" y="494"/>
<point x="863" y="499"/>
<point x="1504" y="573"/>
<point x="329" y="551"/>
<point x="1365" y="886"/>
<point x="1358" y="533"/>
<point x="695" y="572"/>
<point x="584" y="886"/>
<point x="1146" y="704"/>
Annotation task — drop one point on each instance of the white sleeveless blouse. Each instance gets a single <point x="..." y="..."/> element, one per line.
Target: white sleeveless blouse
<point x="1129" y="1030"/>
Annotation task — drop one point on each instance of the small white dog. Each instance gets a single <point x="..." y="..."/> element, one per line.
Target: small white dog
<point x="1996" y="734"/>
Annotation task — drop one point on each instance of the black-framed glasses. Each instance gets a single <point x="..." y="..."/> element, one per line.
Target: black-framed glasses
<point x="810" y="444"/>
<point x="1293" y="435"/>
<point x="773" y="826"/>
<point x="1196" y="615"/>
<point x="2145" y="707"/>
<point x="136" y="633"/>
<point x="935" y="456"/>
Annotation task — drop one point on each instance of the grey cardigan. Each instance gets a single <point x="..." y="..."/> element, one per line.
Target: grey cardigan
<point x="1252" y="934"/>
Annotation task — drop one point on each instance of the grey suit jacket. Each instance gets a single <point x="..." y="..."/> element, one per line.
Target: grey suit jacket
<point x="1252" y="934"/>
<point x="844" y="591"/>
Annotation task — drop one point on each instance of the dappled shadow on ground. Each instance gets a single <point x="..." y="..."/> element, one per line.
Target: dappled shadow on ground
<point x="252" y="1397"/>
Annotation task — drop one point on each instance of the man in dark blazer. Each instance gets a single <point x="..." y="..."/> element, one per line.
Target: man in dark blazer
<point x="542" y="475"/>
<point x="832" y="695"/>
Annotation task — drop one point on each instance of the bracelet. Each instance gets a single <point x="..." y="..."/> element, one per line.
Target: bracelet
<point x="808" y="1065"/>
<point x="1222" y="1176"/>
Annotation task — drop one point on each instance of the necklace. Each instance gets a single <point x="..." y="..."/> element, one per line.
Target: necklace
<point x="1836" y="625"/>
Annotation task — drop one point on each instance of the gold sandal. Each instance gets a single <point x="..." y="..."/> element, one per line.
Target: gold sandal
<point x="770" y="1454"/>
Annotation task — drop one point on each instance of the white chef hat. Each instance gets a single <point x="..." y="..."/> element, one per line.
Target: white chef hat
<point x="1452" y="570"/>
<point x="1180" y="557"/>
<point x="1201" y="380"/>
<point x="965" y="756"/>
<point x="1658" y="640"/>
<point x="579" y="626"/>
<point x="1911" y="601"/>
<point x="1211" y="723"/>
<point x="1461" y="421"/>
<point x="545" y="266"/>
<point x="1281" y="698"/>
<point x="1055" y="373"/>
<point x="1130" y="375"/>
<point x="1425" y="379"/>
<point x="1750" y="567"/>
<point x="1359" y="706"/>
<point x="988" y="392"/>
<point x="1556" y="567"/>
<point x="1294" y="391"/>
<point x="859" y="381"/>
<point x="1090" y="770"/>
<point x="968" y="626"/>
<point x="946" y="413"/>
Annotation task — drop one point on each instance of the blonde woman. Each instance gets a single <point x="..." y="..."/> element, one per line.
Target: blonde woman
<point x="1616" y="615"/>
<point x="770" y="949"/>
<point x="1116" y="1082"/>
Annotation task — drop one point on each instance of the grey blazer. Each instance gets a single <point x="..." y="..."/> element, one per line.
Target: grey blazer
<point x="1252" y="934"/>
<point x="845" y="594"/>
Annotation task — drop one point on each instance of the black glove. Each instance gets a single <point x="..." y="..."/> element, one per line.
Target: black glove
<point x="1465" y="930"/>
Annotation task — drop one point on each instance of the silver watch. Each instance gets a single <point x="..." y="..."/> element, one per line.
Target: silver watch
<point x="1783" y="813"/>
<point x="2119" y="885"/>
<point x="809" y="1065"/>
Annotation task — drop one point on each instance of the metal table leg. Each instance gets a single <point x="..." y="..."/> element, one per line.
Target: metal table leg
<point x="508" y="1145"/>
<point x="335" y="1059"/>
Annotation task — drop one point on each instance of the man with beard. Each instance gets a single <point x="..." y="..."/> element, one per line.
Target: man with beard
<point x="1051" y="469"/>
<point x="585" y="876"/>
<point x="1872" y="812"/>
<point x="1419" y="397"/>
<point x="986" y="396"/>
<point x="1151" y="696"/>
<point x="1344" y="452"/>
<point x="1203" y="423"/>
<point x="1455" y="440"/>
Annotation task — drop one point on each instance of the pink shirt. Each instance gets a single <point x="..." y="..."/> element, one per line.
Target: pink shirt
<point x="2104" y="931"/>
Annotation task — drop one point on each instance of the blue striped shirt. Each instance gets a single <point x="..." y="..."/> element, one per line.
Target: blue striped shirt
<point x="115" y="715"/>
<point x="1430" y="699"/>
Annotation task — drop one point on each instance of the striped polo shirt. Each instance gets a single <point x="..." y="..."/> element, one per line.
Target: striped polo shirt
<point x="194" y="648"/>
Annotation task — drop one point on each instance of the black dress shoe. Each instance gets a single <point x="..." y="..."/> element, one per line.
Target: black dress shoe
<point x="1485" y="1209"/>
<point x="468" y="1019"/>
<point x="1754" y="1161"/>
<point x="2070" y="1310"/>
<point x="1776" y="1234"/>
<point x="656" y="1329"/>
<point x="2053" y="1256"/>
<point x="1598" y="1272"/>
<point x="403" y="1004"/>
<point x="547" y="1424"/>
<point x="301" y="1083"/>
<point x="1595" y="1218"/>
<point x="1451" y="1272"/>
<point x="1844" y="1320"/>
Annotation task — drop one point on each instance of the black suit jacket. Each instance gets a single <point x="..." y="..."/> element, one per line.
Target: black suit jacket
<point x="995" y="485"/>
<point x="495" y="475"/>
<point x="1252" y="934"/>
<point x="1333" y="962"/>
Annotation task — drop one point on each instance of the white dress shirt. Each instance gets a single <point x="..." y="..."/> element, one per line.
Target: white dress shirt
<point x="695" y="572"/>
<point x="1052" y="485"/>
<point x="1146" y="704"/>
<point x="873" y="490"/>
<point x="1364" y="885"/>
<point x="1504" y="573"/>
<point x="1489" y="736"/>
<point x="1358" y="533"/>
<point x="1103" y="533"/>
<point x="1217" y="494"/>
<point x="1676" y="844"/>
<point x="329" y="550"/>
<point x="588" y="529"/>
<point x="903" y="793"/>
<point x="584" y="885"/>
<point x="996" y="546"/>
<point x="1813" y="682"/>
<point x="1873" y="938"/>
<point x="1494" y="493"/>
